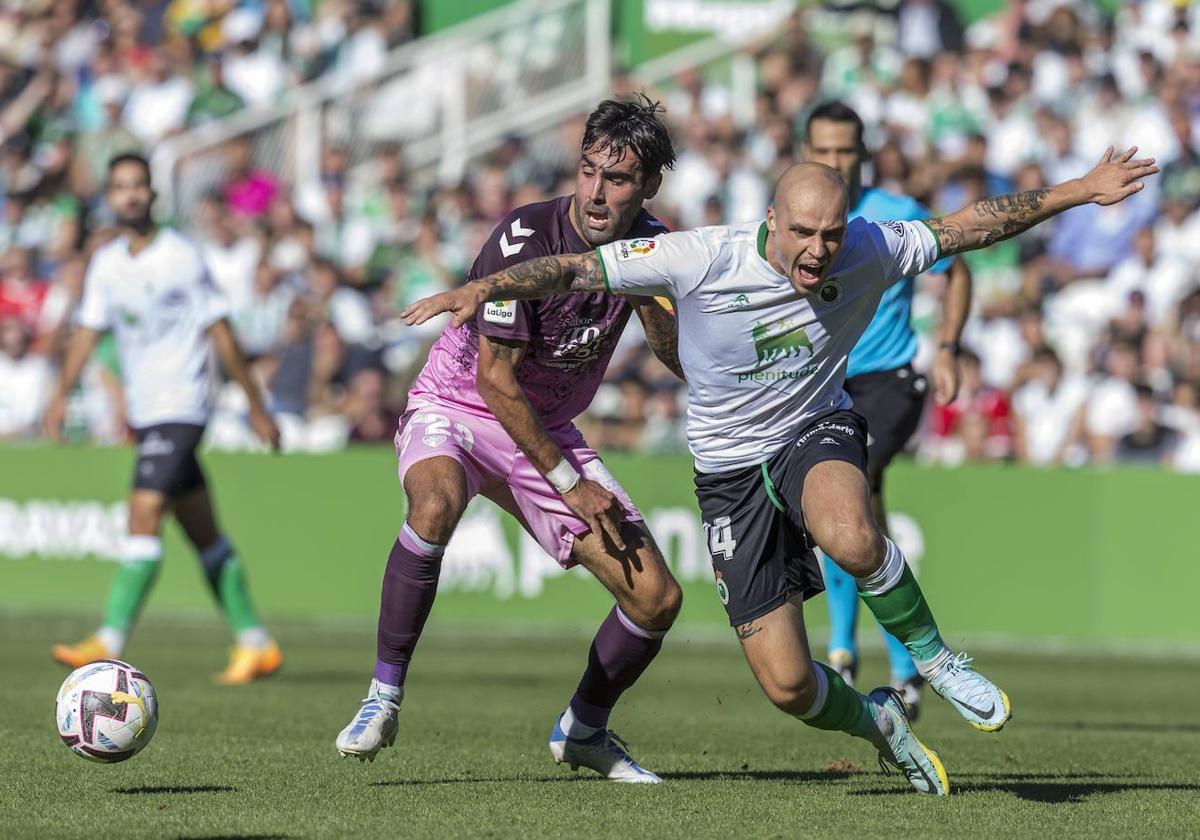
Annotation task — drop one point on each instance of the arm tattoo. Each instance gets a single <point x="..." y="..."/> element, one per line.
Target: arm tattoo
<point x="745" y="631"/>
<point x="949" y="235"/>
<point x="991" y="220"/>
<point x="662" y="334"/>
<point x="501" y="350"/>
<point x="546" y="276"/>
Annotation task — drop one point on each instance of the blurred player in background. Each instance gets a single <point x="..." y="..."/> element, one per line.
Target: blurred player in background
<point x="150" y="287"/>
<point x="880" y="378"/>
<point x="491" y="414"/>
<point x="768" y="316"/>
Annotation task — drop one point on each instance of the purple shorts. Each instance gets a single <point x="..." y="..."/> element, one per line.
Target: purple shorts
<point x="496" y="468"/>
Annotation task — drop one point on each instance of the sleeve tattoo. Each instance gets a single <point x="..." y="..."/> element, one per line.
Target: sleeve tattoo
<point x="990" y="220"/>
<point x="545" y="276"/>
<point x="662" y="334"/>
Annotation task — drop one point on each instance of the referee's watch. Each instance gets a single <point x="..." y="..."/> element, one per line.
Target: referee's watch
<point x="953" y="346"/>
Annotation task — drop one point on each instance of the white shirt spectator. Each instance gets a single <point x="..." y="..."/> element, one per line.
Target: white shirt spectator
<point x="1048" y="416"/>
<point x="154" y="108"/>
<point x="24" y="388"/>
<point x="1182" y="240"/>
<point x="232" y="267"/>
<point x="256" y="77"/>
<point x="1111" y="408"/>
<point x="1164" y="282"/>
<point x="350" y="315"/>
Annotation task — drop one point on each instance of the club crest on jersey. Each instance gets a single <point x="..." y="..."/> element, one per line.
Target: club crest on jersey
<point x="635" y="249"/>
<point x="781" y="340"/>
<point x="502" y="312"/>
<point x="830" y="292"/>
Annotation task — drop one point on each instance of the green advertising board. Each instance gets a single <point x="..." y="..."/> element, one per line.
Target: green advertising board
<point x="1086" y="556"/>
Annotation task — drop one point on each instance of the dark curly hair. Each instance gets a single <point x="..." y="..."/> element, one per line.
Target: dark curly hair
<point x="619" y="126"/>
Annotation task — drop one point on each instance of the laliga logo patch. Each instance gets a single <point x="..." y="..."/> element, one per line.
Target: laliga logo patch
<point x="503" y="312"/>
<point x="830" y="292"/>
<point x="635" y="249"/>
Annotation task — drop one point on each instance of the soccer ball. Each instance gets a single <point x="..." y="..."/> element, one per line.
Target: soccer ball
<point x="106" y="711"/>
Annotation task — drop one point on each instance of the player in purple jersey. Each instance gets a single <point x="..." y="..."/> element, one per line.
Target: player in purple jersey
<point x="491" y="414"/>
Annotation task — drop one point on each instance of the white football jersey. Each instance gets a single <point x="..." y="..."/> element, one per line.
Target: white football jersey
<point x="159" y="305"/>
<point x="761" y="361"/>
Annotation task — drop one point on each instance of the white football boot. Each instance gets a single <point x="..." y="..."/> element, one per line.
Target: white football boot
<point x="374" y="727"/>
<point x="604" y="752"/>
<point x="979" y="700"/>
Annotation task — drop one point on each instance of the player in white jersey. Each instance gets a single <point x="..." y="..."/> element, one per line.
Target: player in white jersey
<point x="768" y="314"/>
<point x="151" y="288"/>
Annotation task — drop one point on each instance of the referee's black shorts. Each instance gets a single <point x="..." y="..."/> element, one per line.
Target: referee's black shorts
<point x="892" y="402"/>
<point x="166" y="459"/>
<point x="761" y="552"/>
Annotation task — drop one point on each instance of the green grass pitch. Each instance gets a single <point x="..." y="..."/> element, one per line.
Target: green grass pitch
<point x="1100" y="746"/>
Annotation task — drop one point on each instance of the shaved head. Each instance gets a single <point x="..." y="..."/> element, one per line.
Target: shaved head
<point x="813" y="179"/>
<point x="807" y="223"/>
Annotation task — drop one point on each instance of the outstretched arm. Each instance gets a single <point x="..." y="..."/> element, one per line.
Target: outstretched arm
<point x="538" y="278"/>
<point x="992" y="220"/>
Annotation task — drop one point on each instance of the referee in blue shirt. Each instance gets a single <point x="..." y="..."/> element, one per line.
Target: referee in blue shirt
<point x="880" y="377"/>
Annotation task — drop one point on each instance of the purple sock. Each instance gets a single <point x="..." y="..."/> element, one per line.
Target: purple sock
<point x="620" y="653"/>
<point x="409" y="586"/>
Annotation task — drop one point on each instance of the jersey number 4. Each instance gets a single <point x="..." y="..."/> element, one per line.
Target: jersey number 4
<point x="720" y="538"/>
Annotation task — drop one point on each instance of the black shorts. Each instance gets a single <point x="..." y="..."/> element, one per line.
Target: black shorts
<point x="892" y="402"/>
<point x="761" y="552"/>
<point x="166" y="459"/>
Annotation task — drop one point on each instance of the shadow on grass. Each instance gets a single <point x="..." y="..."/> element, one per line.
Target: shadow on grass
<point x="1044" y="792"/>
<point x="806" y="776"/>
<point x="1113" y="726"/>
<point x="470" y="780"/>
<point x="139" y="791"/>
<point x="235" y="837"/>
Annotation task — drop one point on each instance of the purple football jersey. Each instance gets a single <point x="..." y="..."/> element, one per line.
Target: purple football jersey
<point x="569" y="338"/>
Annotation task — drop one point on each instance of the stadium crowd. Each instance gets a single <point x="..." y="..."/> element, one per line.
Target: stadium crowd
<point x="1083" y="347"/>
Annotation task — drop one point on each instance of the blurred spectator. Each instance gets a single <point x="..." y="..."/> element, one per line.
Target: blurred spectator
<point x="1150" y="442"/>
<point x="977" y="426"/>
<point x="1112" y="406"/>
<point x="25" y="381"/>
<point x="1047" y="413"/>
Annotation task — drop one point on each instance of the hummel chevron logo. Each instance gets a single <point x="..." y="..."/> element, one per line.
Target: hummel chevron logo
<point x="518" y="232"/>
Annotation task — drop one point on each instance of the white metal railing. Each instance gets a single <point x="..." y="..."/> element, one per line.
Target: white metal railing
<point x="447" y="98"/>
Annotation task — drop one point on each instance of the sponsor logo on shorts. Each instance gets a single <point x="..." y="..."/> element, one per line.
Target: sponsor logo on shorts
<point x="828" y="426"/>
<point x="826" y="441"/>
<point x="635" y="249"/>
<point x="503" y="312"/>
<point x="155" y="446"/>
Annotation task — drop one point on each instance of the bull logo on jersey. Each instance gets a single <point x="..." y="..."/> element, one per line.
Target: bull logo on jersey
<point x="781" y="340"/>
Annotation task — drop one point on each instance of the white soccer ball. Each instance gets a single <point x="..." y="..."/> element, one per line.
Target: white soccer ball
<point x="106" y="711"/>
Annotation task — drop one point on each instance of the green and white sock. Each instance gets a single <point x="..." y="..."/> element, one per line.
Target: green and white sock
<point x="140" y="560"/>
<point x="227" y="580"/>
<point x="894" y="597"/>
<point x="839" y="707"/>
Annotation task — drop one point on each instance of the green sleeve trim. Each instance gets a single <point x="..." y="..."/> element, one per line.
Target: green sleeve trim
<point x="603" y="271"/>
<point x="770" y="488"/>
<point x="936" y="239"/>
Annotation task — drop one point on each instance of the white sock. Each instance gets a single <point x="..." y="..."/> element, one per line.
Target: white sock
<point x="387" y="691"/>
<point x="574" y="728"/>
<point x="822" y="695"/>
<point x="255" y="637"/>
<point x="928" y="667"/>
<point x="112" y="639"/>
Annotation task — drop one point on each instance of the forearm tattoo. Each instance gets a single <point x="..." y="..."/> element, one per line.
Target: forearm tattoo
<point x="662" y="334"/>
<point x="993" y="220"/>
<point x="546" y="276"/>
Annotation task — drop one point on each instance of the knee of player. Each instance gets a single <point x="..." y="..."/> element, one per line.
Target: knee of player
<point x="433" y="513"/>
<point x="658" y="607"/>
<point x="791" y="689"/>
<point x="858" y="548"/>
